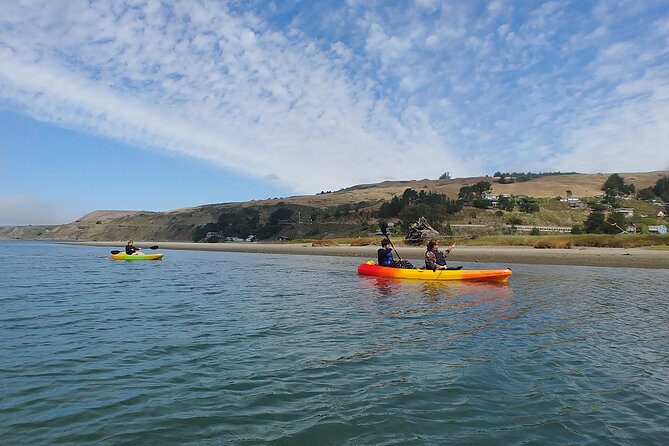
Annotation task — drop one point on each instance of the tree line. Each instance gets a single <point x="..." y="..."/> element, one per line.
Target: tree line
<point x="242" y="222"/>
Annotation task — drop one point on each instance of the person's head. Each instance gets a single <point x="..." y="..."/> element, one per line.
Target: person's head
<point x="129" y="242"/>
<point x="385" y="243"/>
<point x="432" y="244"/>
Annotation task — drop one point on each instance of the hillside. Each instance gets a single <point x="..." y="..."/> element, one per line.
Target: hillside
<point x="347" y="212"/>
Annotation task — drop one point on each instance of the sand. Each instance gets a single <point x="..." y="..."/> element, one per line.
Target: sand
<point x="503" y="255"/>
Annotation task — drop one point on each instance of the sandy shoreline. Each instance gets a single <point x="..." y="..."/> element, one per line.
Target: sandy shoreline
<point x="504" y="255"/>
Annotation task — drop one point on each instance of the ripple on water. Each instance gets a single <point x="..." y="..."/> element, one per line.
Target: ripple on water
<point x="225" y="348"/>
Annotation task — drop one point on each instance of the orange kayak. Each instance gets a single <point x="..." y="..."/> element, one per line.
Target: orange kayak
<point x="489" y="275"/>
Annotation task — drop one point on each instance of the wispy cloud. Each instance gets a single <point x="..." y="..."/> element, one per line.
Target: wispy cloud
<point x="321" y="97"/>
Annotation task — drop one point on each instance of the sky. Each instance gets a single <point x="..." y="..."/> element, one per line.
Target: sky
<point x="156" y="105"/>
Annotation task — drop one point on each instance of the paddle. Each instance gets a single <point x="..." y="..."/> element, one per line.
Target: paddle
<point x="453" y="267"/>
<point x="384" y="230"/>
<point x="118" y="252"/>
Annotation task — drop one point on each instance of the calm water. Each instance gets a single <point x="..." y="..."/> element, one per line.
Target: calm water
<point x="246" y="349"/>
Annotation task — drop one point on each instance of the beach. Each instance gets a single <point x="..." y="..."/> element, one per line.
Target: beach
<point x="503" y="255"/>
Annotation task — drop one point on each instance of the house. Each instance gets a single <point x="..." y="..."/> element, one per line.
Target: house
<point x="627" y="212"/>
<point x="390" y="229"/>
<point x="661" y="214"/>
<point x="657" y="229"/>
<point x="574" y="202"/>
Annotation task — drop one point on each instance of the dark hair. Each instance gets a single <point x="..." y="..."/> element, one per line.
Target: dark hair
<point x="431" y="245"/>
<point x="385" y="242"/>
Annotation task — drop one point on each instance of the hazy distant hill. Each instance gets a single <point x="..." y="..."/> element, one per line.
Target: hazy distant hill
<point x="364" y="199"/>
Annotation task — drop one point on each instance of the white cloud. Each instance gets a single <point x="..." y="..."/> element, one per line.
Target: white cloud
<point x="424" y="87"/>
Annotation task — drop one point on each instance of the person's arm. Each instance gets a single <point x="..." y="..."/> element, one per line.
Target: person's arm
<point x="431" y="261"/>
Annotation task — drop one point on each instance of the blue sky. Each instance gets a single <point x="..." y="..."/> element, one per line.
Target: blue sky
<point x="151" y="105"/>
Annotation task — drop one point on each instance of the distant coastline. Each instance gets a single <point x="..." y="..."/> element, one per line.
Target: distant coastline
<point x="503" y="255"/>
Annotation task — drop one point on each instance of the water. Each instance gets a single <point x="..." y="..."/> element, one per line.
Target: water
<point x="209" y="348"/>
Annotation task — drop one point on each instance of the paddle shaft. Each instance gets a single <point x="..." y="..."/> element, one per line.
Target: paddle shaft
<point x="150" y="247"/>
<point x="385" y="234"/>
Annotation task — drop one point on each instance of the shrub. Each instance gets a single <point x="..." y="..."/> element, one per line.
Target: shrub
<point x="514" y="220"/>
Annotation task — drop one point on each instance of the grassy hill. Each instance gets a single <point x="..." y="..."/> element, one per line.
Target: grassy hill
<point x="350" y="212"/>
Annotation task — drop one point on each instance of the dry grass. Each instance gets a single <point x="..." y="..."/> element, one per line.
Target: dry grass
<point x="323" y="243"/>
<point x="553" y="244"/>
<point x="563" y="241"/>
<point x="567" y="241"/>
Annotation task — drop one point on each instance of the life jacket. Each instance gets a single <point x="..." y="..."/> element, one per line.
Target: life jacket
<point x="385" y="257"/>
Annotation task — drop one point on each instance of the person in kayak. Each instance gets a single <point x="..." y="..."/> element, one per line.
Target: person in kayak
<point x="436" y="259"/>
<point x="385" y="254"/>
<point x="131" y="249"/>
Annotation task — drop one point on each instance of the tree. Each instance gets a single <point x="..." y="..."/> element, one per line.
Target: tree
<point x="466" y="193"/>
<point x="661" y="188"/>
<point x="445" y="176"/>
<point x="201" y="231"/>
<point x="481" y="187"/>
<point x="615" y="187"/>
<point x="480" y="203"/>
<point x="506" y="204"/>
<point x="471" y="193"/>
<point x="280" y="214"/>
<point x="409" y="196"/>
<point x="646" y="194"/>
<point x="615" y="223"/>
<point x="594" y="223"/>
<point x="528" y="206"/>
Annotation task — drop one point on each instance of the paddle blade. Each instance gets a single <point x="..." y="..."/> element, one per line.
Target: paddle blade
<point x="153" y="247"/>
<point x="384" y="228"/>
<point x="115" y="252"/>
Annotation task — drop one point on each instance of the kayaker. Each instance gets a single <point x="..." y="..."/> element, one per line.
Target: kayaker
<point x="385" y="253"/>
<point x="131" y="249"/>
<point x="435" y="259"/>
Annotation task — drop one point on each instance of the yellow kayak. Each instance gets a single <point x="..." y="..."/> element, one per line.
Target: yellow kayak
<point x="124" y="256"/>
<point x="490" y="275"/>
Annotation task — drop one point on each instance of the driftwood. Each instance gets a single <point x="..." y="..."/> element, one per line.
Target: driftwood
<point x="420" y="232"/>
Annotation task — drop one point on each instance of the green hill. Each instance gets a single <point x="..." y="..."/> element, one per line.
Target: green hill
<point x="350" y="212"/>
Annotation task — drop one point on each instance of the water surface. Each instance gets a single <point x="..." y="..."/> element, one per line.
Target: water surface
<point x="251" y="349"/>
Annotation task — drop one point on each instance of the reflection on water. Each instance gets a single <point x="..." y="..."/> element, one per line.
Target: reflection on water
<point x="491" y="301"/>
